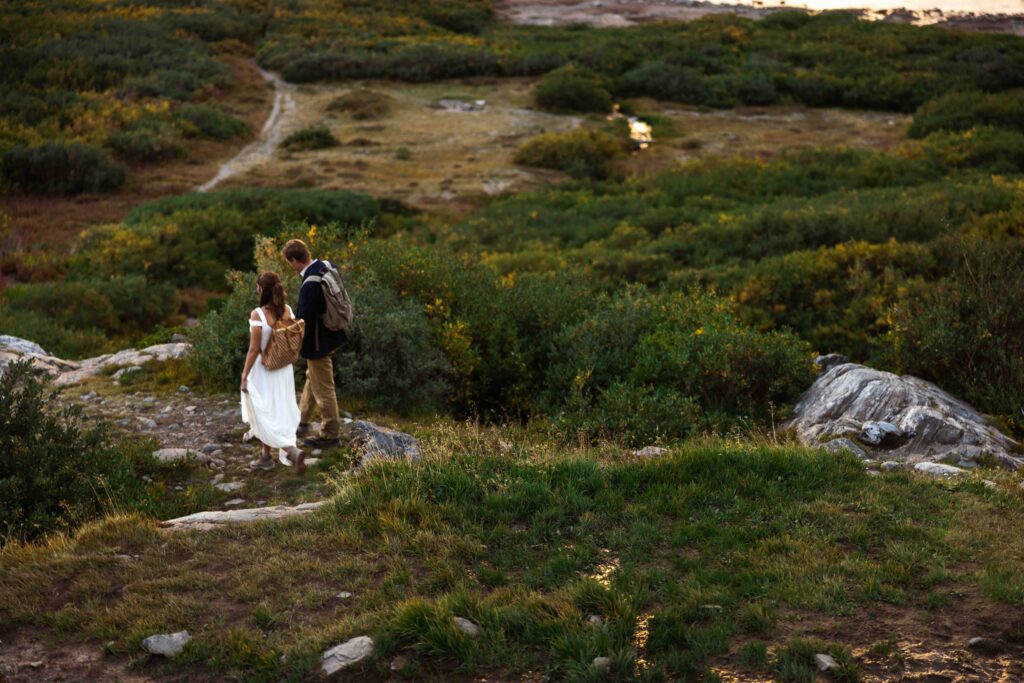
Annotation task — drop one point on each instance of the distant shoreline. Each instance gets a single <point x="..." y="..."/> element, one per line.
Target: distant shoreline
<point x="612" y="13"/>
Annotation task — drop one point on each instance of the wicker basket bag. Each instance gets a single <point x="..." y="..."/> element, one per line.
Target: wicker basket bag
<point x="285" y="342"/>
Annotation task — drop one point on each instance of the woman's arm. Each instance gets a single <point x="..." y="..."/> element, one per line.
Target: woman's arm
<point x="255" y="337"/>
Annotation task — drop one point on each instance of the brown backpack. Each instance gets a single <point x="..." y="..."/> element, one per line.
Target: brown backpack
<point x="285" y="342"/>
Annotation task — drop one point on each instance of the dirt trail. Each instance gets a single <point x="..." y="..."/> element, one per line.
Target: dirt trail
<point x="278" y="122"/>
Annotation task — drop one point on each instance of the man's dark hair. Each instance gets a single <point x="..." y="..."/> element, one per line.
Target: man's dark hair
<point x="296" y="250"/>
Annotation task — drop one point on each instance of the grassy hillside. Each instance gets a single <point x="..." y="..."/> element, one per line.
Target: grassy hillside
<point x="715" y="558"/>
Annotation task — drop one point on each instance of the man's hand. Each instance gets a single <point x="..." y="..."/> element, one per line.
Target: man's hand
<point x="244" y="387"/>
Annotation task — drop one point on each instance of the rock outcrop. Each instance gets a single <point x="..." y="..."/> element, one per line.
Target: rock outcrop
<point x="215" y="518"/>
<point x="380" y="443"/>
<point x="907" y="418"/>
<point x="65" y="372"/>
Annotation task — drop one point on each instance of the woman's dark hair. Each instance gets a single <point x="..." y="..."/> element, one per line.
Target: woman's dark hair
<point x="272" y="292"/>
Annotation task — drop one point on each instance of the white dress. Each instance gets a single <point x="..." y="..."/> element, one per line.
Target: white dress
<point x="268" y="406"/>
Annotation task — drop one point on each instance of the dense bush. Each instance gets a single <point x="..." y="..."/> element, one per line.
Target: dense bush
<point x="220" y="341"/>
<point x="211" y="122"/>
<point x="146" y="142"/>
<point x="390" y="361"/>
<point x="572" y="88"/>
<point x="581" y="153"/>
<point x="961" y="111"/>
<point x="57" y="470"/>
<point x="57" y="168"/>
<point x="676" y="349"/>
<point x="311" y="137"/>
<point x="966" y="331"/>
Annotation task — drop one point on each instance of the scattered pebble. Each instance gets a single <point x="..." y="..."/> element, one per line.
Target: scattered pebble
<point x="344" y="595"/>
<point x="166" y="644"/>
<point x="184" y="390"/>
<point x="346" y="654"/>
<point x="399" y="662"/>
<point x="234" y="502"/>
<point x="230" y="486"/>
<point x="467" y="627"/>
<point x="602" y="665"/>
<point x="825" y="662"/>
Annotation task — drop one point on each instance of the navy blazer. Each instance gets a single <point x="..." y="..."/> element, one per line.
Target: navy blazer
<point x="319" y="341"/>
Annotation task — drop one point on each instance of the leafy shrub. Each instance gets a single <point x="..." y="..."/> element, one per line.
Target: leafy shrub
<point x="664" y="81"/>
<point x="966" y="331"/>
<point x="61" y="168"/>
<point x="312" y="137"/>
<point x="220" y="340"/>
<point x="961" y="111"/>
<point x="390" y="361"/>
<point x="172" y="84"/>
<point x="362" y="104"/>
<point x="995" y="149"/>
<point x="581" y="153"/>
<point x="460" y="17"/>
<point x="147" y="141"/>
<point x="211" y="122"/>
<point x="53" y="335"/>
<point x="572" y="88"/>
<point x="683" y="349"/>
<point x="56" y="471"/>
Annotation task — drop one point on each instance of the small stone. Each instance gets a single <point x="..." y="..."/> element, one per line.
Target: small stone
<point x="217" y="462"/>
<point x="217" y="478"/>
<point x="209" y="448"/>
<point x="989" y="484"/>
<point x="149" y="400"/>
<point x="172" y="454"/>
<point x="650" y="452"/>
<point x="184" y="390"/>
<point x="712" y="608"/>
<point x="179" y="338"/>
<point x="825" y="662"/>
<point x="986" y="646"/>
<point x="830" y="359"/>
<point x="467" y="627"/>
<point x="312" y="461"/>
<point x="595" y="621"/>
<point x="234" y="502"/>
<point x="344" y="595"/>
<point x="166" y="644"/>
<point x="166" y="410"/>
<point x="890" y="465"/>
<point x="230" y="486"/>
<point x="874" y="473"/>
<point x="146" y="422"/>
<point x="939" y="470"/>
<point x="346" y="654"/>
<point x="399" y="662"/>
<point x="35" y="665"/>
<point x="190" y="409"/>
<point x="602" y="665"/>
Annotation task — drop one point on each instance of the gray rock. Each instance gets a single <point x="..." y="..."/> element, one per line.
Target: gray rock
<point x="890" y="465"/>
<point x="344" y="595"/>
<point x="172" y="454"/>
<point x="830" y="359"/>
<point x="938" y="470"/>
<point x="376" y="443"/>
<point x="234" y="502"/>
<point x="146" y="422"/>
<point x="211" y="519"/>
<point x="602" y="665"/>
<point x="184" y="390"/>
<point x="399" y="662"/>
<point x="825" y="662"/>
<point x="882" y="434"/>
<point x="149" y="400"/>
<point x="178" y="338"/>
<point x="230" y="486"/>
<point x="843" y="444"/>
<point x="986" y="646"/>
<point x="650" y="452"/>
<point x="846" y="396"/>
<point x="19" y="345"/>
<point x="467" y="627"/>
<point x="130" y="370"/>
<point x="210" y="448"/>
<point x="595" y="621"/>
<point x="166" y="644"/>
<point x="346" y="654"/>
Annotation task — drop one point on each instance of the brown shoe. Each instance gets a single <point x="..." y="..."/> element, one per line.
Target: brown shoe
<point x="304" y="429"/>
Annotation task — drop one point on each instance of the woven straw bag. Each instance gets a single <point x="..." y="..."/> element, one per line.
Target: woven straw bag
<point x="285" y="343"/>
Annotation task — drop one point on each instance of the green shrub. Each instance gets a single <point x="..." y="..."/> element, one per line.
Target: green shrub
<point x="211" y="122"/>
<point x="222" y="337"/>
<point x="57" y="168"/>
<point x="572" y="88"/>
<point x="54" y="336"/>
<point x="961" y="111"/>
<point x="665" y="82"/>
<point x="390" y="361"/>
<point x="995" y="149"/>
<point x="58" y="469"/>
<point x="312" y="137"/>
<point x="966" y="331"/>
<point x="581" y="153"/>
<point x="146" y="142"/>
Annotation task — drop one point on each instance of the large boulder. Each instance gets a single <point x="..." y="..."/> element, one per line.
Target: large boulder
<point x="14" y="349"/>
<point x="129" y="357"/>
<point x="866" y="405"/>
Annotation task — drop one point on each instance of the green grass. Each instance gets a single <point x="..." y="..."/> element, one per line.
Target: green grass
<point x="688" y="558"/>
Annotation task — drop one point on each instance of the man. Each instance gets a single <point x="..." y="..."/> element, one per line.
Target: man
<point x="317" y="347"/>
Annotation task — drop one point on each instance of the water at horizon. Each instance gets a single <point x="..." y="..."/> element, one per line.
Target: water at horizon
<point x="947" y="6"/>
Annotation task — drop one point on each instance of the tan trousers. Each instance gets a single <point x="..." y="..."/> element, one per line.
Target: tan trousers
<point x="319" y="391"/>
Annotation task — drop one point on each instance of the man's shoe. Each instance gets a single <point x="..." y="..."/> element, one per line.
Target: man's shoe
<point x="305" y="429"/>
<point x="322" y="443"/>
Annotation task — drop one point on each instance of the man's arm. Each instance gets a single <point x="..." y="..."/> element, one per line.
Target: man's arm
<point x="310" y="302"/>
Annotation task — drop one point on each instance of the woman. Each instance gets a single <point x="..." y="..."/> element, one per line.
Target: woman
<point x="268" y="396"/>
